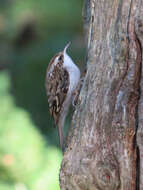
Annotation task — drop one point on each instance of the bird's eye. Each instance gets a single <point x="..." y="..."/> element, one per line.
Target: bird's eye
<point x="60" y="58"/>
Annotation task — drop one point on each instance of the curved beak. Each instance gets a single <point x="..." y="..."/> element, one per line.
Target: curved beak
<point x="66" y="47"/>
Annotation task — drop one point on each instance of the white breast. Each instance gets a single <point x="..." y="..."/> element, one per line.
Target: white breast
<point x="74" y="72"/>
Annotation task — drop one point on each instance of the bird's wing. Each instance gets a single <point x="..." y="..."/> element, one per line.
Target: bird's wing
<point x="57" y="84"/>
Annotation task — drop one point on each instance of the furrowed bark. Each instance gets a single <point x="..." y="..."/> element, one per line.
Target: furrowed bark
<point x="102" y="148"/>
<point x="139" y="32"/>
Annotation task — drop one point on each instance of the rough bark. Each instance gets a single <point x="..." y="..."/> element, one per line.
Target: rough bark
<point x="107" y="125"/>
<point x="139" y="32"/>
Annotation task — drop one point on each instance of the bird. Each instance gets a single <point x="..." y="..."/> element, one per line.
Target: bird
<point x="62" y="78"/>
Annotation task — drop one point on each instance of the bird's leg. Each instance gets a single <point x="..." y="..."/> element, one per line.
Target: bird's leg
<point x="75" y="94"/>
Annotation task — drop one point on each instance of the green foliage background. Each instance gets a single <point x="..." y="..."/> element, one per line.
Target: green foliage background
<point x="31" y="32"/>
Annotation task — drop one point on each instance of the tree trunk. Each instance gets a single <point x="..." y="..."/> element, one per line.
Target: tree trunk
<point x="105" y="144"/>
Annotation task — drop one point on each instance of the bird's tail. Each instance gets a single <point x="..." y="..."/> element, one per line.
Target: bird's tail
<point x="61" y="136"/>
<point x="61" y="122"/>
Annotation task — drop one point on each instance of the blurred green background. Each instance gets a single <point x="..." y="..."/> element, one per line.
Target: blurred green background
<point x="31" y="32"/>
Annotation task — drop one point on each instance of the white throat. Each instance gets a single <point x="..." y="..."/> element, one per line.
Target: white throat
<point x="74" y="72"/>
